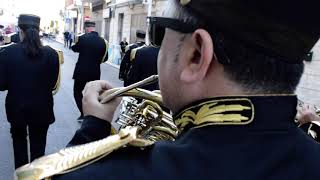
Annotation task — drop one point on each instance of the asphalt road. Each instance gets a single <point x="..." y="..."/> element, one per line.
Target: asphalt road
<point x="65" y="110"/>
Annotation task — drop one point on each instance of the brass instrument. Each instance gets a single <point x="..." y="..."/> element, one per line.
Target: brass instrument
<point x="139" y="124"/>
<point x="155" y="124"/>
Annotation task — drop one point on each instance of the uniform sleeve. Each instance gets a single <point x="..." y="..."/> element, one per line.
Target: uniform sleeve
<point x="3" y="71"/>
<point x="124" y="64"/>
<point x="77" y="46"/>
<point x="92" y="129"/>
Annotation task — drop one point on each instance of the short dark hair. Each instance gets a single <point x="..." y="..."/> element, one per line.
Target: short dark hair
<point x="252" y="69"/>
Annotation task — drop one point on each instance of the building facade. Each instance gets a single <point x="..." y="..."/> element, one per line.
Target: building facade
<point x="118" y="19"/>
<point x="76" y="12"/>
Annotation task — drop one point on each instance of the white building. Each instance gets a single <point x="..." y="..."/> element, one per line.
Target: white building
<point x="75" y="13"/>
<point x="118" y="19"/>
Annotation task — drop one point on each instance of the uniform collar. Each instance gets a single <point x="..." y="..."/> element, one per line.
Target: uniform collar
<point x="258" y="112"/>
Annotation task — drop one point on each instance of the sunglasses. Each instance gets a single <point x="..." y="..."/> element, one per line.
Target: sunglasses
<point x="158" y="26"/>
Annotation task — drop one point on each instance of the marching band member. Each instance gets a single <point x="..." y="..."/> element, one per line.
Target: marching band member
<point x="29" y="72"/>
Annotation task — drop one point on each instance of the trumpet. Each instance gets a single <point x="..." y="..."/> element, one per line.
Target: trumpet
<point x="140" y="125"/>
<point x="155" y="124"/>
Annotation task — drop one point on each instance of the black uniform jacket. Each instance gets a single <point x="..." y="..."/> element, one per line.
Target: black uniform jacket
<point x="126" y="63"/>
<point x="93" y="52"/>
<point x="29" y="81"/>
<point x="268" y="145"/>
<point x="143" y="66"/>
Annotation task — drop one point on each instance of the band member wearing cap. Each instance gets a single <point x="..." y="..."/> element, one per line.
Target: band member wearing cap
<point x="228" y="71"/>
<point x="123" y="45"/>
<point x="92" y="51"/>
<point x="126" y="60"/>
<point x="143" y="65"/>
<point x="29" y="72"/>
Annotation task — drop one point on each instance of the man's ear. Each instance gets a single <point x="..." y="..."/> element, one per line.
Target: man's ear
<point x="198" y="58"/>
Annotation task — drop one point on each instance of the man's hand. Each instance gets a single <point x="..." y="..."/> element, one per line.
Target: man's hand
<point x="307" y="114"/>
<point x="92" y="106"/>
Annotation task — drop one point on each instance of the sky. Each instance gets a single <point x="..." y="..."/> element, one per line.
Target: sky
<point x="47" y="9"/>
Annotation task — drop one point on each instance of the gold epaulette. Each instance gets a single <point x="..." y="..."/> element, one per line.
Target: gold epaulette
<point x="134" y="52"/>
<point x="106" y="51"/>
<point x="61" y="61"/>
<point x="127" y="48"/>
<point x="73" y="158"/>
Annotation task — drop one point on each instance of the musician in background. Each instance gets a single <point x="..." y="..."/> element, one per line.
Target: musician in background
<point x="143" y="65"/>
<point x="92" y="51"/>
<point x="29" y="72"/>
<point x="126" y="60"/>
<point x="123" y="45"/>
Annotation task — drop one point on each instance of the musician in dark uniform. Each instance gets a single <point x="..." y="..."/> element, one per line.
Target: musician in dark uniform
<point x="92" y="51"/>
<point x="229" y="81"/>
<point x="29" y="72"/>
<point x="143" y="65"/>
<point x="126" y="63"/>
<point x="123" y="45"/>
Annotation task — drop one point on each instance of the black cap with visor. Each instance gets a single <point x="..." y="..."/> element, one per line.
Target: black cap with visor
<point x="29" y="20"/>
<point x="285" y="28"/>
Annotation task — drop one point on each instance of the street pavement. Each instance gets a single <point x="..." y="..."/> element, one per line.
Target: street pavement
<point x="66" y="112"/>
<point x="65" y="109"/>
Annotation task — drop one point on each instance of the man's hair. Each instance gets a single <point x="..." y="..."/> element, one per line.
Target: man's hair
<point x="256" y="72"/>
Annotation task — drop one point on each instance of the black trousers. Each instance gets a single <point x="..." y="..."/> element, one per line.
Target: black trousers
<point x="77" y="93"/>
<point x="37" y="140"/>
<point x="66" y="42"/>
<point x="70" y="43"/>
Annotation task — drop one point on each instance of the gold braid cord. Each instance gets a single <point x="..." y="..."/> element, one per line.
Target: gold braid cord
<point x="72" y="158"/>
<point x="61" y="61"/>
<point x="106" y="51"/>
